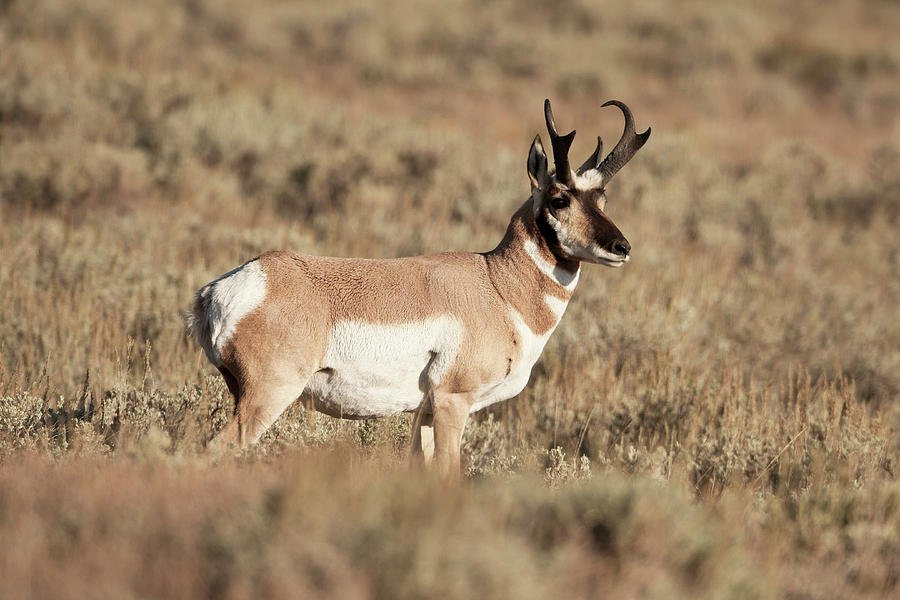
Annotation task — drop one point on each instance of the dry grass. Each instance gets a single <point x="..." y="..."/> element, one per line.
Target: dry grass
<point x="718" y="419"/>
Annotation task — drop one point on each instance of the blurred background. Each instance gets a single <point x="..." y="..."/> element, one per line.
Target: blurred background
<point x="147" y="149"/>
<point x="751" y="346"/>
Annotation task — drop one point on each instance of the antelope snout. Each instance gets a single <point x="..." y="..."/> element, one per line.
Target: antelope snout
<point x="619" y="246"/>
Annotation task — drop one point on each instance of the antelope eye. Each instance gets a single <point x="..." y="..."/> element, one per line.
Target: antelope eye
<point x="558" y="203"/>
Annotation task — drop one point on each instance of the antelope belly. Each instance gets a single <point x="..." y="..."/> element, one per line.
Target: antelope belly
<point x="376" y="370"/>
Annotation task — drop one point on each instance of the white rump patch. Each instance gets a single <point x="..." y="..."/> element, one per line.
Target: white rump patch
<point x="565" y="278"/>
<point x="375" y="370"/>
<point x="227" y="300"/>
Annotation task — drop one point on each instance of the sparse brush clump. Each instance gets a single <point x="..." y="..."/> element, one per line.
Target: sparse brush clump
<point x="717" y="419"/>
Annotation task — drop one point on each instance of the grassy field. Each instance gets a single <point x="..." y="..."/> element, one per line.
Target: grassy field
<point x="719" y="419"/>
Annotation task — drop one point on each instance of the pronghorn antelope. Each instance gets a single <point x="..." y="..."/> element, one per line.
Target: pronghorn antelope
<point x="441" y="335"/>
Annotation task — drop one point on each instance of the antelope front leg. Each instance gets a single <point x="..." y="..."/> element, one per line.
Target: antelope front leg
<point x="450" y="414"/>
<point x="422" y="448"/>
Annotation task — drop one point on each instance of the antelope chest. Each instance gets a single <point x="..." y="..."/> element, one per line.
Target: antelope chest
<point x="528" y="346"/>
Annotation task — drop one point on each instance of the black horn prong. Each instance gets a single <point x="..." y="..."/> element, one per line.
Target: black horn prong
<point x="593" y="160"/>
<point x="548" y="116"/>
<point x="628" y="144"/>
<point x="561" y="145"/>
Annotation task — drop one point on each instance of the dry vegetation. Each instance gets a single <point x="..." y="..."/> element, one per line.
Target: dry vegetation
<point x="718" y="419"/>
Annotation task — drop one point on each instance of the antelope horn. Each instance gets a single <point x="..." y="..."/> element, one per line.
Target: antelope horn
<point x="628" y="144"/>
<point x="561" y="144"/>
<point x="593" y="160"/>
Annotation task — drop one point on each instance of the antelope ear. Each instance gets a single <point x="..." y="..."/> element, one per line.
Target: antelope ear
<point x="537" y="166"/>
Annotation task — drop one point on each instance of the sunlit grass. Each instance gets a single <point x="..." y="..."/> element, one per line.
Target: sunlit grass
<point x="718" y="419"/>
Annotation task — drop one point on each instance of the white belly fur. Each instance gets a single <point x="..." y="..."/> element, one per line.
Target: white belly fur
<point x="374" y="370"/>
<point x="379" y="370"/>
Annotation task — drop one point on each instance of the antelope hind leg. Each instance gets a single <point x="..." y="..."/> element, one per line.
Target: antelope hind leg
<point x="259" y="405"/>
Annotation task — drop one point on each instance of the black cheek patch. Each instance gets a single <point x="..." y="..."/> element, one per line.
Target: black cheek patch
<point x="549" y="235"/>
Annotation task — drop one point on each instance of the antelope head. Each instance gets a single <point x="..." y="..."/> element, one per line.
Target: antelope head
<point x="568" y="205"/>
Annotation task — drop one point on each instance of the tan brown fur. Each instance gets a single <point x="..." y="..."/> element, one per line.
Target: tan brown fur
<point x="282" y="342"/>
<point x="307" y="293"/>
<point x="518" y="280"/>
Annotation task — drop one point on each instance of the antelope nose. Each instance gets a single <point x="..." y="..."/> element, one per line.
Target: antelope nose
<point x="620" y="246"/>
